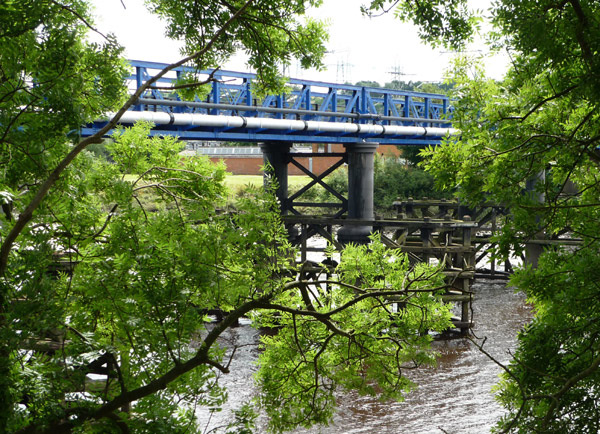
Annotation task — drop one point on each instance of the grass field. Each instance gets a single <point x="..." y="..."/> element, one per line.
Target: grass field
<point x="236" y="182"/>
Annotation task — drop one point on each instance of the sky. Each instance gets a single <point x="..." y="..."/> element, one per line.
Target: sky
<point x="360" y="48"/>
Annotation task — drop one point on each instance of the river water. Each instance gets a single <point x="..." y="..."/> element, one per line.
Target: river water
<point x="454" y="397"/>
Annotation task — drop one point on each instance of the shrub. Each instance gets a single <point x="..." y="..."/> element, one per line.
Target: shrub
<point x="392" y="179"/>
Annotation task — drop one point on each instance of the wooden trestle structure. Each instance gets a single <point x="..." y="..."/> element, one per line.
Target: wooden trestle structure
<point x="428" y="231"/>
<point x="431" y="240"/>
<point x="441" y="232"/>
<point x="486" y="218"/>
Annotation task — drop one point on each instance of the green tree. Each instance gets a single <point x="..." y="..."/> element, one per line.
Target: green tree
<point x="134" y="305"/>
<point x="412" y="154"/>
<point x="51" y="83"/>
<point x="539" y="128"/>
<point x="420" y="86"/>
<point x="393" y="180"/>
<point x="92" y="281"/>
<point x="367" y="83"/>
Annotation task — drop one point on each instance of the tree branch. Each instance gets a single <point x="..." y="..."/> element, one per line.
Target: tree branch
<point x="326" y="315"/>
<point x="582" y="25"/>
<point x="79" y="17"/>
<point x="43" y="190"/>
<point x="127" y="397"/>
<point x="566" y="387"/>
<point x="189" y="85"/>
<point x="509" y="372"/>
<point x="541" y="103"/>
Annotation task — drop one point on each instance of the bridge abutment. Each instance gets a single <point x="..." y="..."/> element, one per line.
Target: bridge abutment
<point x="360" y="192"/>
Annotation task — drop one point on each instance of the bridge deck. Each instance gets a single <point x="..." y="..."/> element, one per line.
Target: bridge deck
<point x="310" y="111"/>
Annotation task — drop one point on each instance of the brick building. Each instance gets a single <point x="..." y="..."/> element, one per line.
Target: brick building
<point x="248" y="160"/>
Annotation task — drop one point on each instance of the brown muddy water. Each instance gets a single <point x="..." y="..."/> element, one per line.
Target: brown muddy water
<point x="454" y="397"/>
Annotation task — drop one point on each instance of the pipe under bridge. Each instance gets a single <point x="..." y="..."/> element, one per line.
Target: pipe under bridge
<point x="308" y="112"/>
<point x="361" y="118"/>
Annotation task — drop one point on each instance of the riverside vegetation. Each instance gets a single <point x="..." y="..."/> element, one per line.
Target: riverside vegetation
<point x="135" y="300"/>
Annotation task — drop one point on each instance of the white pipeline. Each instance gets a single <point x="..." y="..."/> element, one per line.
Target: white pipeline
<point x="202" y="120"/>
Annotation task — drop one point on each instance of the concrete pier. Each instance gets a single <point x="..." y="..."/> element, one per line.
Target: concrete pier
<point x="360" y="191"/>
<point x="276" y="158"/>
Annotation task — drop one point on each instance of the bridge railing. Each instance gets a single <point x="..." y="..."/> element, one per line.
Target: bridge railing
<point x="231" y="93"/>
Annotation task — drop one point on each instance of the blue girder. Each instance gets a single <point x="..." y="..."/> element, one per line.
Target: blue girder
<point x="231" y="95"/>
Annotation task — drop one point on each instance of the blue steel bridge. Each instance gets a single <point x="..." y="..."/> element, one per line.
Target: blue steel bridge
<point x="309" y="111"/>
<point x="360" y="118"/>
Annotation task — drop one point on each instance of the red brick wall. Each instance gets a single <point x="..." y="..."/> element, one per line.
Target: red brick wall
<point x="251" y="165"/>
<point x="243" y="165"/>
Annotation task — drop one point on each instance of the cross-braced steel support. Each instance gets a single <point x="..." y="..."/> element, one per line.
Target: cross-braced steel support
<point x="342" y="205"/>
<point x="359" y="204"/>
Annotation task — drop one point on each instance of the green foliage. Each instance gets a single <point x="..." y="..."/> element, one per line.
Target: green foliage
<point x="392" y="180"/>
<point x="420" y="86"/>
<point x="367" y="83"/>
<point x="134" y="304"/>
<point x="135" y="300"/>
<point x="93" y="281"/>
<point x="556" y="360"/>
<point x="129" y="144"/>
<point x="269" y="31"/>
<point x="414" y="86"/>
<point x="447" y="22"/>
<point x="51" y="83"/>
<point x="143" y="280"/>
<point x="190" y="86"/>
<point x="412" y="154"/>
<point x="360" y="333"/>
<point x="539" y="128"/>
<point x="98" y="150"/>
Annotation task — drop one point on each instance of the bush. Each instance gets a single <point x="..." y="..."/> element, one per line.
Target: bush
<point x="392" y="179"/>
<point x="98" y="150"/>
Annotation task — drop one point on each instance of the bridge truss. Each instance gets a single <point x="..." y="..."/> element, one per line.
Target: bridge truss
<point x="308" y="112"/>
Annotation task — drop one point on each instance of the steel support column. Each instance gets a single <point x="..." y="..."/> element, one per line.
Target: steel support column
<point x="276" y="159"/>
<point x="360" y="191"/>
